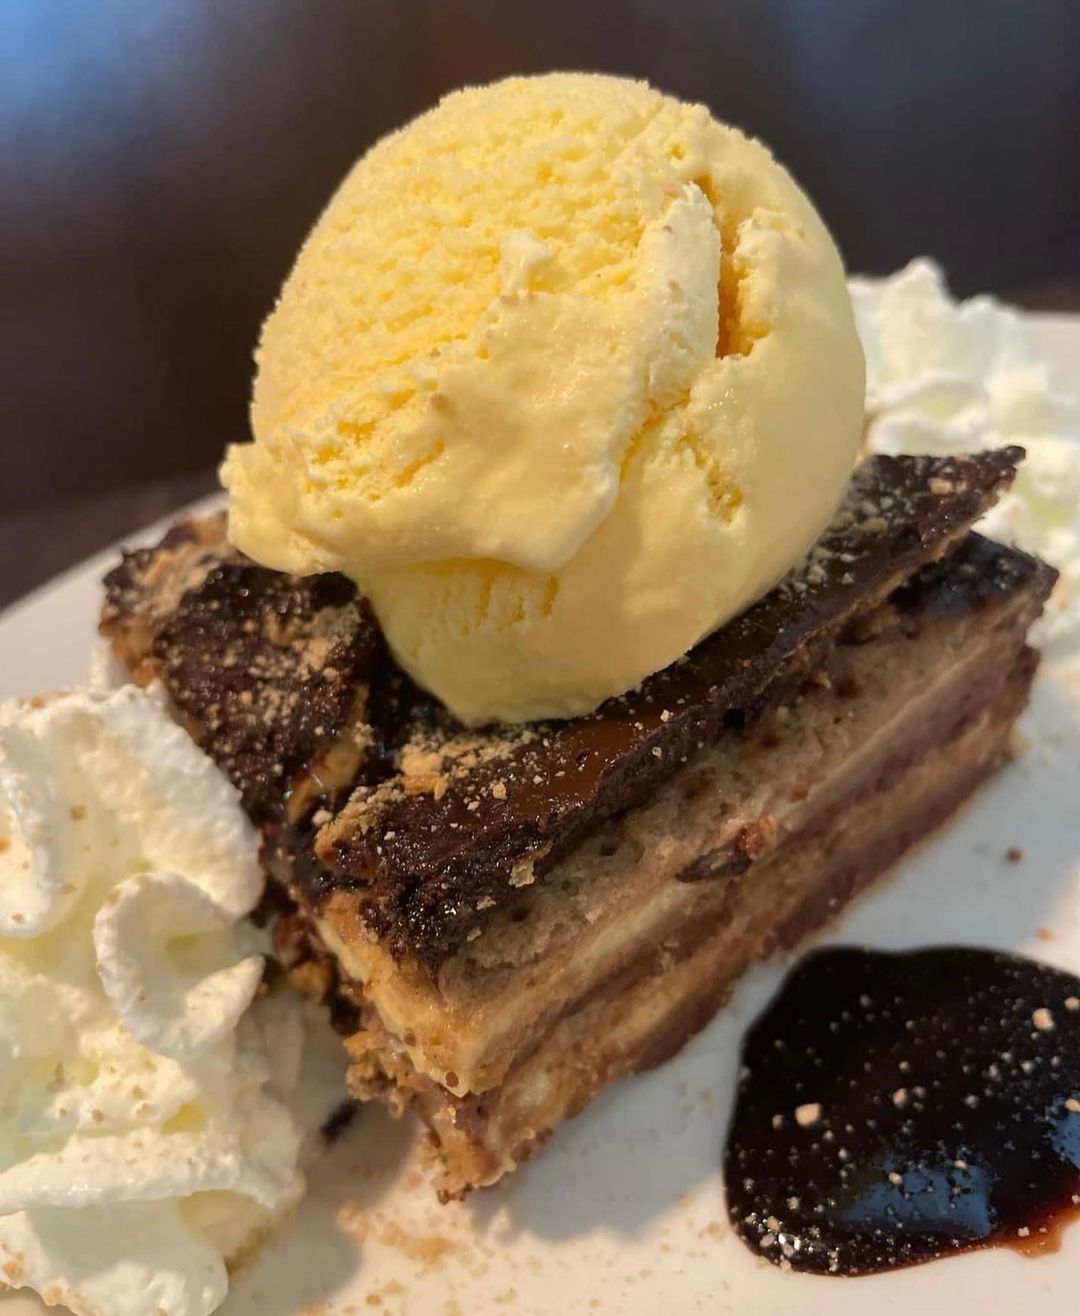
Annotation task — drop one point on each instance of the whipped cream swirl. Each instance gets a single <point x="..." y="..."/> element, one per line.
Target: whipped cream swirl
<point x="139" y="1149"/>
<point x="948" y="377"/>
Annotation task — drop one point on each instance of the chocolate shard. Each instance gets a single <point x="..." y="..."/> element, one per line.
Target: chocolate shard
<point x="269" y="672"/>
<point x="975" y="576"/>
<point x="271" y="669"/>
<point x="145" y="587"/>
<point x="470" y="815"/>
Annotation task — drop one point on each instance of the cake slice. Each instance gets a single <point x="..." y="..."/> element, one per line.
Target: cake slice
<point x="506" y="920"/>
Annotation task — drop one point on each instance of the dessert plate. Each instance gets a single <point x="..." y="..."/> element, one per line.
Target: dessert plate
<point x="624" y="1212"/>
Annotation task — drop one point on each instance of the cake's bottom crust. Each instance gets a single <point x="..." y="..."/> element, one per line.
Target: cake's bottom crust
<point x="646" y="1014"/>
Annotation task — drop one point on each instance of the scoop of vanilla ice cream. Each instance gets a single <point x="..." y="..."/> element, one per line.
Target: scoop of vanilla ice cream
<point x="139" y="1149"/>
<point x="946" y="376"/>
<point x="565" y="376"/>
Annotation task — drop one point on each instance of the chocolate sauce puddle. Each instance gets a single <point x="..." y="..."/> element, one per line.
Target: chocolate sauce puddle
<point x="893" y="1108"/>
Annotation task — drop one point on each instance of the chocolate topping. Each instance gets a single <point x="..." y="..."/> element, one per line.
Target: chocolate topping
<point x="272" y="667"/>
<point x="269" y="670"/>
<point x="471" y="815"/>
<point x="274" y="674"/>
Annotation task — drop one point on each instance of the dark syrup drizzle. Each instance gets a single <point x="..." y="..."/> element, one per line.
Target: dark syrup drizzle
<point x="938" y="1100"/>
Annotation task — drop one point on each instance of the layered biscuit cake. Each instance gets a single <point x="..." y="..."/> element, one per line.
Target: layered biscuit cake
<point x="507" y="919"/>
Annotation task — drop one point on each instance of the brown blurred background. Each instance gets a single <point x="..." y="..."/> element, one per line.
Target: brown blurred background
<point x="162" y="159"/>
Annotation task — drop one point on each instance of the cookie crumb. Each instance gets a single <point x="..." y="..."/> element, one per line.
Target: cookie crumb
<point x="351" y="1220"/>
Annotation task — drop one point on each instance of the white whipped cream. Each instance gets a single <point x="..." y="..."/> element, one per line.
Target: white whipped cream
<point x="947" y="377"/>
<point x="139" y="1149"/>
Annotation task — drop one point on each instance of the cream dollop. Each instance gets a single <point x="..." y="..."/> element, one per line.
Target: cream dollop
<point x="139" y="1149"/>
<point x="945" y="376"/>
<point x="564" y="377"/>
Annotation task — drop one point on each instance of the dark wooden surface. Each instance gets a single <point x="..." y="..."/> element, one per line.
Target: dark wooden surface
<point x="160" y="162"/>
<point x="38" y="544"/>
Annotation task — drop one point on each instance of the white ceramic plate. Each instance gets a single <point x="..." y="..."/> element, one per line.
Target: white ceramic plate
<point x="624" y="1211"/>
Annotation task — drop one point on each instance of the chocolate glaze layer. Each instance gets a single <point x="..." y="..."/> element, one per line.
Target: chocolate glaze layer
<point x="267" y="669"/>
<point x="272" y="667"/>
<point x="508" y="813"/>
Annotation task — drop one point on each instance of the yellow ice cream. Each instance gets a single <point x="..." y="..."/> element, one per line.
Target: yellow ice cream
<point x="565" y="376"/>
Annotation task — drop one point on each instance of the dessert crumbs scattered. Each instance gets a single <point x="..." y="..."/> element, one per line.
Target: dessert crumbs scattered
<point x="808" y="1114"/>
<point x="351" y="1219"/>
<point x="1014" y="854"/>
<point x="429" y="1250"/>
<point x="1043" y="1019"/>
<point x="523" y="874"/>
